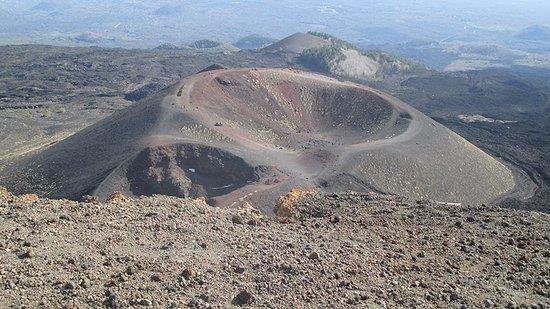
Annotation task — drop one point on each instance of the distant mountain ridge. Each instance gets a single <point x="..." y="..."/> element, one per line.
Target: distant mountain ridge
<point x="167" y="10"/>
<point x="534" y="33"/>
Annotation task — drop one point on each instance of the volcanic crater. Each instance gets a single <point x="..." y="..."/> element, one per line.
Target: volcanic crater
<point x="236" y="135"/>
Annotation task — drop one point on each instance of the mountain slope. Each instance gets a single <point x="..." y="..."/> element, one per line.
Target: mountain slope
<point x="250" y="134"/>
<point x="346" y="250"/>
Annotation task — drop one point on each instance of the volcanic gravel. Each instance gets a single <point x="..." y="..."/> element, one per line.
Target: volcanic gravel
<point x="343" y="250"/>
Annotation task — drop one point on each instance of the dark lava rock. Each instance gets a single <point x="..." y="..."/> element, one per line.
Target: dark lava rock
<point x="69" y="286"/>
<point x="314" y="255"/>
<point x="189" y="273"/>
<point x="237" y="219"/>
<point x="28" y="254"/>
<point x="156" y="278"/>
<point x="243" y="298"/>
<point x="239" y="269"/>
<point x="113" y="301"/>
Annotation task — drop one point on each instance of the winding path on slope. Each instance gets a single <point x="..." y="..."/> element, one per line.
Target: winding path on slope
<point x="236" y="135"/>
<point x="296" y="162"/>
<point x="300" y="167"/>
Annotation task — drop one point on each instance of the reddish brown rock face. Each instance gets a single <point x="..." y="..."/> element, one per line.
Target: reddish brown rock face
<point x="116" y="197"/>
<point x="29" y="197"/>
<point x="187" y="170"/>
<point x="286" y="207"/>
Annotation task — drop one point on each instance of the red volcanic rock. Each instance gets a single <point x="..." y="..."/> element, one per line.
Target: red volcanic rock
<point x="29" y="197"/>
<point x="286" y="207"/>
<point x="117" y="197"/>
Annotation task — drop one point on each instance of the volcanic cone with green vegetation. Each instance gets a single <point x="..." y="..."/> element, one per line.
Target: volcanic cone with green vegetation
<point x="344" y="59"/>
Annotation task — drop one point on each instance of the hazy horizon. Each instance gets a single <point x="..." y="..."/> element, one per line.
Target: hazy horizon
<point x="143" y="24"/>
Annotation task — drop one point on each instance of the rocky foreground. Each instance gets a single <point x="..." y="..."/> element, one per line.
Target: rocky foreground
<point x="326" y="251"/>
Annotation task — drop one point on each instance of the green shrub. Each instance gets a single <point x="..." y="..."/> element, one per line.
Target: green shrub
<point x="321" y="58"/>
<point x="324" y="58"/>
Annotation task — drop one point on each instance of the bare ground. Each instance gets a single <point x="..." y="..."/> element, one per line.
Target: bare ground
<point x="364" y="250"/>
